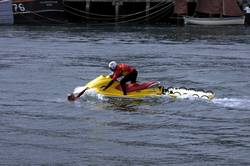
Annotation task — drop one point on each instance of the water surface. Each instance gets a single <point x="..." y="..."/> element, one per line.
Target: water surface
<point x="40" y="65"/>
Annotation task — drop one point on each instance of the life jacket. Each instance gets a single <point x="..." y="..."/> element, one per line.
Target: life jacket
<point x="122" y="70"/>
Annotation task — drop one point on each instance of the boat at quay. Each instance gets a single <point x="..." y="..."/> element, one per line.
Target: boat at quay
<point x="6" y="14"/>
<point x="37" y="11"/>
<point x="219" y="12"/>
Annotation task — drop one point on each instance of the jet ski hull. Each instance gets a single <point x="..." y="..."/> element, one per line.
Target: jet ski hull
<point x="139" y="90"/>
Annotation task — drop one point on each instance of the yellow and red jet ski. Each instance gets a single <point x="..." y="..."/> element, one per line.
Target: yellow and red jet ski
<point x="137" y="90"/>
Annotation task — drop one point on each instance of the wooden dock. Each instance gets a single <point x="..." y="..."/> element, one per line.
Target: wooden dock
<point x="167" y="1"/>
<point x="117" y="10"/>
<point x="98" y="11"/>
<point x="123" y="10"/>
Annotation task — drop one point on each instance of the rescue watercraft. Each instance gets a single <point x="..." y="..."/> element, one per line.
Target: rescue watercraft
<point x="136" y="90"/>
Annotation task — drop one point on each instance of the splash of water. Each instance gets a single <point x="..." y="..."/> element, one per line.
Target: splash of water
<point x="241" y="103"/>
<point x="91" y="93"/>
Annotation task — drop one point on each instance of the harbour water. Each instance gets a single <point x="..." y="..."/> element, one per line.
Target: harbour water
<point x="40" y="65"/>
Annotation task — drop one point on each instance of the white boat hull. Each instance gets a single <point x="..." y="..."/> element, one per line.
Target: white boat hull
<point x="6" y="14"/>
<point x="215" y="21"/>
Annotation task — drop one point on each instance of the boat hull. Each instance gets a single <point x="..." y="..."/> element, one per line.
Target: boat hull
<point x="215" y="21"/>
<point x="6" y="14"/>
<point x="37" y="11"/>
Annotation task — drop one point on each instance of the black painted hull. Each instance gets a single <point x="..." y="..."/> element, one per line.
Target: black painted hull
<point x="38" y="11"/>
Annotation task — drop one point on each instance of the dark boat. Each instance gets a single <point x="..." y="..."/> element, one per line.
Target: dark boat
<point x="217" y="12"/>
<point x="38" y="11"/>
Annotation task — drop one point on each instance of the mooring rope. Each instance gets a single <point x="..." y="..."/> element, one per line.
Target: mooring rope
<point x="49" y="19"/>
<point x="131" y="20"/>
<point x="138" y="19"/>
<point x="113" y="16"/>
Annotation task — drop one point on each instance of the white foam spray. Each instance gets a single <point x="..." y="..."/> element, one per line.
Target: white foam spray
<point x="241" y="103"/>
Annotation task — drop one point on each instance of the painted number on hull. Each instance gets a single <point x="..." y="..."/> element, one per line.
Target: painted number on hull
<point x="19" y="7"/>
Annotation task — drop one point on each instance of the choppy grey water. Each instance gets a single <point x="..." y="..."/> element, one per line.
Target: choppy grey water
<point x="40" y="65"/>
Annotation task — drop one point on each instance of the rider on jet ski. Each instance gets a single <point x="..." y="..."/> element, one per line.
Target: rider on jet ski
<point x="129" y="73"/>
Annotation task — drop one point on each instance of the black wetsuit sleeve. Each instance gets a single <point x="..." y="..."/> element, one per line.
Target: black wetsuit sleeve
<point x="109" y="84"/>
